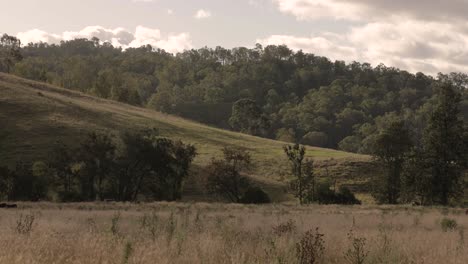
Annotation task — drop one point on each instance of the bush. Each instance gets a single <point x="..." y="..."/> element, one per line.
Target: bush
<point x="285" y="228"/>
<point x="357" y="253"/>
<point x="344" y="195"/>
<point x="448" y="224"/>
<point x="311" y="247"/>
<point x="255" y="195"/>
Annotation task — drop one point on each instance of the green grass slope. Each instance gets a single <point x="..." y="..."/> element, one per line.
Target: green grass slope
<point x="33" y="115"/>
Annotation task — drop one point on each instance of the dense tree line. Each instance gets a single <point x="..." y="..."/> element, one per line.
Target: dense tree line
<point x="134" y="166"/>
<point x="268" y="91"/>
<point x="433" y="171"/>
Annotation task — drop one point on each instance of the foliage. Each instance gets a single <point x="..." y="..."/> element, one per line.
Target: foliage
<point x="304" y="179"/>
<point x="24" y="185"/>
<point x="10" y="52"/>
<point x="255" y="195"/>
<point x="225" y="176"/>
<point x="325" y="195"/>
<point x="247" y="117"/>
<point x="135" y="164"/>
<point x="448" y="224"/>
<point x="270" y="89"/>
<point x="390" y="149"/>
<point x="445" y="152"/>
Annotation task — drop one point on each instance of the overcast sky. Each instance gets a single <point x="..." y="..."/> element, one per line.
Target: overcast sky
<point x="415" y="35"/>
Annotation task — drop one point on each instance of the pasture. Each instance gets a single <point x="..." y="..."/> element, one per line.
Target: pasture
<point x="229" y="233"/>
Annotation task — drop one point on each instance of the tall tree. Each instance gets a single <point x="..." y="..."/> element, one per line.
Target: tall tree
<point x="61" y="161"/>
<point x="247" y="117"/>
<point x="303" y="184"/>
<point x="98" y="156"/>
<point x="390" y="148"/>
<point x="10" y="52"/>
<point x="443" y="145"/>
<point x="225" y="175"/>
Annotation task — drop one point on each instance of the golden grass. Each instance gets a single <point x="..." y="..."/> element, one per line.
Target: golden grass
<point x="222" y="233"/>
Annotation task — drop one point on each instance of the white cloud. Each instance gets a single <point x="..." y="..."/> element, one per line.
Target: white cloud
<point x="170" y="11"/>
<point x="326" y="45"/>
<point x="202" y="13"/>
<point x="118" y="37"/>
<point x="373" y="10"/>
<point x="172" y="43"/>
<point x="417" y="35"/>
<point x="37" y="35"/>
<point x="430" y="47"/>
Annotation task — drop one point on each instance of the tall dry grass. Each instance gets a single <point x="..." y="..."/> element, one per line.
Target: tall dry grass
<point x="220" y="233"/>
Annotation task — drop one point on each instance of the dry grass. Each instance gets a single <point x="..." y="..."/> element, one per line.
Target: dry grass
<point x="220" y="233"/>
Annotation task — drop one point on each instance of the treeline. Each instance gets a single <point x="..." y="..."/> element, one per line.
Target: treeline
<point x="433" y="169"/>
<point x="134" y="166"/>
<point x="268" y="91"/>
<point x="428" y="171"/>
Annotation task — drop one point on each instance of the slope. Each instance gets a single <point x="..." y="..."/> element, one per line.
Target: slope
<point x="33" y="115"/>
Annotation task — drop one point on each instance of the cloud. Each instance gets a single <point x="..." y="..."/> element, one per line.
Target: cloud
<point x="417" y="35"/>
<point x="170" y="11"/>
<point x="325" y="45"/>
<point x="430" y="47"/>
<point x="172" y="43"/>
<point x="145" y="1"/>
<point x="37" y="35"/>
<point x="118" y="37"/>
<point x="202" y="13"/>
<point x="373" y="10"/>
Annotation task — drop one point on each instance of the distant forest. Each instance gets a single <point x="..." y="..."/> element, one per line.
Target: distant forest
<point x="267" y="91"/>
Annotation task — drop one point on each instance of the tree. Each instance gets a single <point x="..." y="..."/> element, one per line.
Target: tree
<point x="444" y="145"/>
<point x="151" y="165"/>
<point x="25" y="184"/>
<point x="97" y="153"/>
<point x="247" y="117"/>
<point x="225" y="176"/>
<point x="390" y="149"/>
<point x="10" y="52"/>
<point x="6" y="182"/>
<point x="303" y="184"/>
<point x="61" y="163"/>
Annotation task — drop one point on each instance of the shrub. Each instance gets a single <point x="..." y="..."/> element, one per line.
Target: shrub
<point x="150" y="223"/>
<point x="255" y="195"/>
<point x="115" y="223"/>
<point x="25" y="224"/>
<point x="311" y="247"/>
<point x="284" y="228"/>
<point x="357" y="253"/>
<point x="344" y="195"/>
<point x="128" y="250"/>
<point x="448" y="224"/>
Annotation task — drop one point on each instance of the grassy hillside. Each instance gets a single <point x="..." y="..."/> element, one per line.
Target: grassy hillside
<point x="33" y="115"/>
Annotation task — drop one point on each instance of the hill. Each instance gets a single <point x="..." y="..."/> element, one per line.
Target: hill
<point x="34" y="115"/>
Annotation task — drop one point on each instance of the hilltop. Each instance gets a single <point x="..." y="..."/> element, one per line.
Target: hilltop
<point x="34" y="115"/>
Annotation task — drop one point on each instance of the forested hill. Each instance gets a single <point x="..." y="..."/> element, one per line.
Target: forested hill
<point x="267" y="91"/>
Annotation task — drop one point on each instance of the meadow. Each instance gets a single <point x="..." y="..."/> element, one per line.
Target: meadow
<point x="230" y="233"/>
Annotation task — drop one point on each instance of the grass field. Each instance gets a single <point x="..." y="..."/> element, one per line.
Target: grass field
<point x="34" y="115"/>
<point x="220" y="233"/>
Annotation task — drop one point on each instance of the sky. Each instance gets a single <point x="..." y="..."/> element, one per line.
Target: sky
<point x="415" y="35"/>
